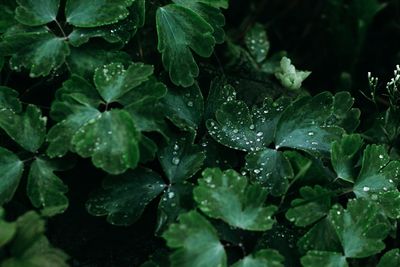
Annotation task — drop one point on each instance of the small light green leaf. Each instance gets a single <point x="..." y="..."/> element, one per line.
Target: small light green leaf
<point x="196" y="242"/>
<point x="30" y="248"/>
<point x="238" y="128"/>
<point x="9" y="99"/>
<point x="322" y="237"/>
<point x="112" y="81"/>
<point x="11" y="168"/>
<point x="228" y="196"/>
<point x="124" y="198"/>
<point x="96" y="12"/>
<point x="111" y="139"/>
<point x="45" y="190"/>
<point x="324" y="258"/>
<point x="209" y="13"/>
<point x="378" y="180"/>
<point x="27" y="129"/>
<point x="314" y="205"/>
<point x="343" y="156"/>
<point x="83" y="61"/>
<point x="262" y="258"/>
<point x="257" y="42"/>
<point x="289" y="76"/>
<point x="303" y="125"/>
<point x="271" y="169"/>
<point x="184" y="107"/>
<point x="175" y="200"/>
<point x="36" y="13"/>
<point x="181" y="159"/>
<point x="361" y="228"/>
<point x="390" y="259"/>
<point x="181" y="30"/>
<point x="35" y="49"/>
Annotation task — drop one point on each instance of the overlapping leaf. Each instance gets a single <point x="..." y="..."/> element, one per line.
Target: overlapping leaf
<point x="228" y="196"/>
<point x="11" y="168"/>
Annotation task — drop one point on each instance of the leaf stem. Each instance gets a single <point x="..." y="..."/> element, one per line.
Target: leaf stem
<point x="61" y="29"/>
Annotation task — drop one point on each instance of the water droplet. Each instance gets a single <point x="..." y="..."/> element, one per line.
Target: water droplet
<point x="251" y="127"/>
<point x="381" y="156"/>
<point x="260" y="133"/>
<point x="365" y="188"/>
<point x="190" y="104"/>
<point x="175" y="160"/>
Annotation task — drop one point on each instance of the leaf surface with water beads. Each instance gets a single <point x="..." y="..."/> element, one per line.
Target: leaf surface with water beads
<point x="195" y="241"/>
<point x="36" y="13"/>
<point x="378" y="180"/>
<point x="261" y="258"/>
<point x="124" y="198"/>
<point x="304" y="125"/>
<point x="324" y="258"/>
<point x="257" y="42"/>
<point x="271" y="169"/>
<point x="229" y="196"/>
<point x="239" y="128"/>
<point x="111" y="139"/>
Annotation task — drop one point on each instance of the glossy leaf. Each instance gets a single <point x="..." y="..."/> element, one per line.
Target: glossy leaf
<point x="195" y="242"/>
<point x="314" y="205"/>
<point x="262" y="258"/>
<point x="9" y="99"/>
<point x="124" y="198"/>
<point x="27" y="129"/>
<point x="11" y="168"/>
<point x="45" y="190"/>
<point x="378" y="180"/>
<point x="36" y="13"/>
<point x="181" y="31"/>
<point x="96" y="13"/>
<point x="111" y="140"/>
<point x="181" y="159"/>
<point x="324" y="258"/>
<point x="343" y="156"/>
<point x="7" y="230"/>
<point x="391" y="258"/>
<point x="303" y="125"/>
<point x="271" y="169"/>
<point x="361" y="228"/>
<point x="239" y="128"/>
<point x="228" y="196"/>
<point x="112" y="81"/>
<point x="257" y="42"/>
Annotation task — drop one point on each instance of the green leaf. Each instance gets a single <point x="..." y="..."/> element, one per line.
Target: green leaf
<point x="271" y="169"/>
<point x="391" y="258"/>
<point x="112" y="81"/>
<point x="181" y="30"/>
<point x="196" y="242"/>
<point x="184" y="107"/>
<point x="324" y="258"/>
<point x="6" y="16"/>
<point x="181" y="159"/>
<point x="124" y="198"/>
<point x="45" y="190"/>
<point x="228" y="196"/>
<point x="96" y="13"/>
<point x="257" y="42"/>
<point x="289" y="76"/>
<point x="7" y="230"/>
<point x="238" y="128"/>
<point x="36" y="13"/>
<point x="361" y="228"/>
<point x="262" y="258"/>
<point x="175" y="200"/>
<point x="378" y="180"/>
<point x="35" y="49"/>
<point x="27" y="129"/>
<point x="30" y="248"/>
<point x="322" y="236"/>
<point x="11" y="168"/>
<point x="303" y="125"/>
<point x="219" y="93"/>
<point x="314" y="205"/>
<point x="343" y="156"/>
<point x="9" y="99"/>
<point x="215" y="3"/>
<point x="111" y="139"/>
<point x="209" y="13"/>
<point x="343" y="114"/>
<point x="83" y="61"/>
